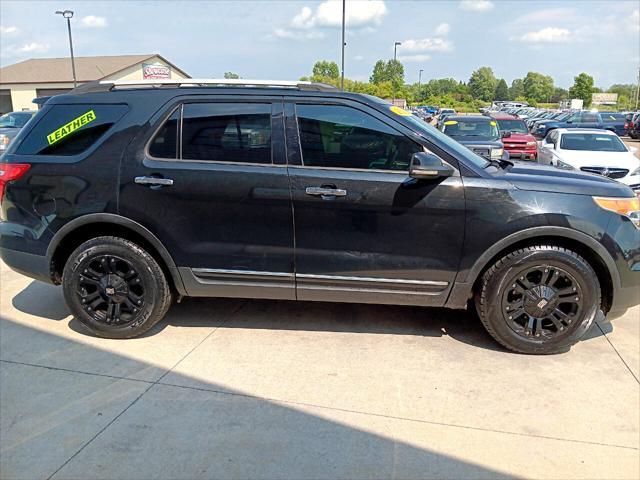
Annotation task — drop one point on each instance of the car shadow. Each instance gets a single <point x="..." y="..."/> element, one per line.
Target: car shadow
<point x="211" y="431"/>
<point x="47" y="301"/>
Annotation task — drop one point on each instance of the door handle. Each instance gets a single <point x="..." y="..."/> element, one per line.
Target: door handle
<point x="325" y="192"/>
<point x="153" y="181"/>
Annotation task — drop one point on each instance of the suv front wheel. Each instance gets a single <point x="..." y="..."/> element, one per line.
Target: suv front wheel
<point x="115" y="288"/>
<point x="539" y="299"/>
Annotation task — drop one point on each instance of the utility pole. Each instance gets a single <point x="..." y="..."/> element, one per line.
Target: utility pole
<point x="419" y="80"/>
<point x="638" y="89"/>
<point x="68" y="14"/>
<point x="395" y="48"/>
<point x="344" y="2"/>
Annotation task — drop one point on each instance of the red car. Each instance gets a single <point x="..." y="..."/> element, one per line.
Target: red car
<point x="518" y="142"/>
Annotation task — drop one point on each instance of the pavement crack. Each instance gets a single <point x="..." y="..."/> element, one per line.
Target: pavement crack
<point x="394" y="417"/>
<point x="618" y="353"/>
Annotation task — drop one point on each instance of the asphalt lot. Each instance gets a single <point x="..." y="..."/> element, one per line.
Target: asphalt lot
<point x="267" y="389"/>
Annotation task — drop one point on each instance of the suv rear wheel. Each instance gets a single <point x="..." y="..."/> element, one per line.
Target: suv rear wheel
<point x="539" y="299"/>
<point x="115" y="288"/>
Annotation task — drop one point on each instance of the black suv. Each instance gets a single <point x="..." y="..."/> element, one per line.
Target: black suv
<point x="132" y="195"/>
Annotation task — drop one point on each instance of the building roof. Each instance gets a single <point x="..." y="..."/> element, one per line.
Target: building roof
<point x="58" y="70"/>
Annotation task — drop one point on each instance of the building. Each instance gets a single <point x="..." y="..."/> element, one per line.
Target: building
<point x="21" y="82"/>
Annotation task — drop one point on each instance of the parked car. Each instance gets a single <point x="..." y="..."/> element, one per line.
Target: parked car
<point x="634" y="126"/>
<point x="130" y="195"/>
<point x="599" y="152"/>
<point x="10" y="125"/>
<point x="580" y="120"/>
<point x="616" y="122"/>
<point x="478" y="133"/>
<point x="517" y="140"/>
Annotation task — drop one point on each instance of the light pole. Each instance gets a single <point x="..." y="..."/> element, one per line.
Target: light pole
<point x="395" y="48"/>
<point x="343" y="44"/>
<point x="68" y="14"/>
<point x="419" y="80"/>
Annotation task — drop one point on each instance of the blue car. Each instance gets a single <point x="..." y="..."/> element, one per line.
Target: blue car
<point x="584" y="119"/>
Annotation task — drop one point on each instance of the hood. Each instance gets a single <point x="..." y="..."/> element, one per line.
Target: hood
<point x="519" y="138"/>
<point x="579" y="159"/>
<point x="542" y="178"/>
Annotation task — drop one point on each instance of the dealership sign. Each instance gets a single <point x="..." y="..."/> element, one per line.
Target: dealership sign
<point x="155" y="70"/>
<point x="604" y="98"/>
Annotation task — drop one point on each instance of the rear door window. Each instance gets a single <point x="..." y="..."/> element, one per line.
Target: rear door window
<point x="70" y="129"/>
<point x="227" y="132"/>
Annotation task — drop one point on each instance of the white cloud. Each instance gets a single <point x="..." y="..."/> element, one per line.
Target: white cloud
<point x="359" y="57"/>
<point x="26" y="48"/>
<point x="92" y="21"/>
<point x="443" y="29"/>
<point x="560" y="15"/>
<point x="329" y="14"/>
<point x="547" y="35"/>
<point x="296" y="34"/>
<point x="414" y="58"/>
<point x="362" y="16"/>
<point x="476" y="5"/>
<point x="426" y="45"/>
<point x="10" y="30"/>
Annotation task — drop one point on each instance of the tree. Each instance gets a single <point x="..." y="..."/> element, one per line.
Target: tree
<point x="538" y="87"/>
<point x="582" y="88"/>
<point x="231" y="75"/>
<point x="324" y="68"/>
<point x="502" y="91"/>
<point x="482" y="84"/>
<point x="389" y="71"/>
<point x="517" y="89"/>
<point x="559" y="94"/>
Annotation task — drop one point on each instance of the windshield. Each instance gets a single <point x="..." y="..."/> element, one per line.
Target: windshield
<point x="517" y="126"/>
<point x="482" y="130"/>
<point x="592" y="142"/>
<point x="14" y="120"/>
<point x="429" y="131"/>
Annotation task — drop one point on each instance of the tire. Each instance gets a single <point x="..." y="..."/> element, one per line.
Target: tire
<point x="539" y="300"/>
<point x="115" y="288"/>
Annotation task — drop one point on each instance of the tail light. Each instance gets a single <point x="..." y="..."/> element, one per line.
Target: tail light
<point x="10" y="172"/>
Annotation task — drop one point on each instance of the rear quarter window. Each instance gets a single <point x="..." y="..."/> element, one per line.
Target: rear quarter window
<point x="70" y="129"/>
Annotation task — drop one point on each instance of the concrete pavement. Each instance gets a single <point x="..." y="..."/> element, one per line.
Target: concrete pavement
<point x="266" y="389"/>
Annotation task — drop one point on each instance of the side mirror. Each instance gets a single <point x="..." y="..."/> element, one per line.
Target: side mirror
<point x="550" y="146"/>
<point x="570" y="121"/>
<point x="427" y="165"/>
<point x="505" y="134"/>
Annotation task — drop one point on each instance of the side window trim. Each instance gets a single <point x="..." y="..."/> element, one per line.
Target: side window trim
<point x="334" y="102"/>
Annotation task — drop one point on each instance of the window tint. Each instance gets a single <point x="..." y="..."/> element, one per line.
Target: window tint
<point x="70" y="129"/>
<point x="228" y="132"/>
<point x="343" y="137"/>
<point x="165" y="143"/>
<point x="589" y="117"/>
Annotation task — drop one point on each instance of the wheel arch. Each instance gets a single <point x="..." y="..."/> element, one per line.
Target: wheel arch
<point x="584" y="245"/>
<point x="81" y="229"/>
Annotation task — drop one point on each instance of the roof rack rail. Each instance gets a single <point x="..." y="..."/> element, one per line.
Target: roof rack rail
<point x="107" y="85"/>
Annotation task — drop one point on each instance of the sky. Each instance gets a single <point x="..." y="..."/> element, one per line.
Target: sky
<point x="282" y="39"/>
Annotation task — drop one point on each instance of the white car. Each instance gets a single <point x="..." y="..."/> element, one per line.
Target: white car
<point x="595" y="151"/>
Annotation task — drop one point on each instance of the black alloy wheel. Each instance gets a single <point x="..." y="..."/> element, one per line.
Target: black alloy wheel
<point x="110" y="289"/>
<point x="115" y="288"/>
<point x="539" y="300"/>
<point x="542" y="302"/>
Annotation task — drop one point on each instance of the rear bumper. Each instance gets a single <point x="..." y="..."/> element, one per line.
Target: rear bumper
<point x="28" y="264"/>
